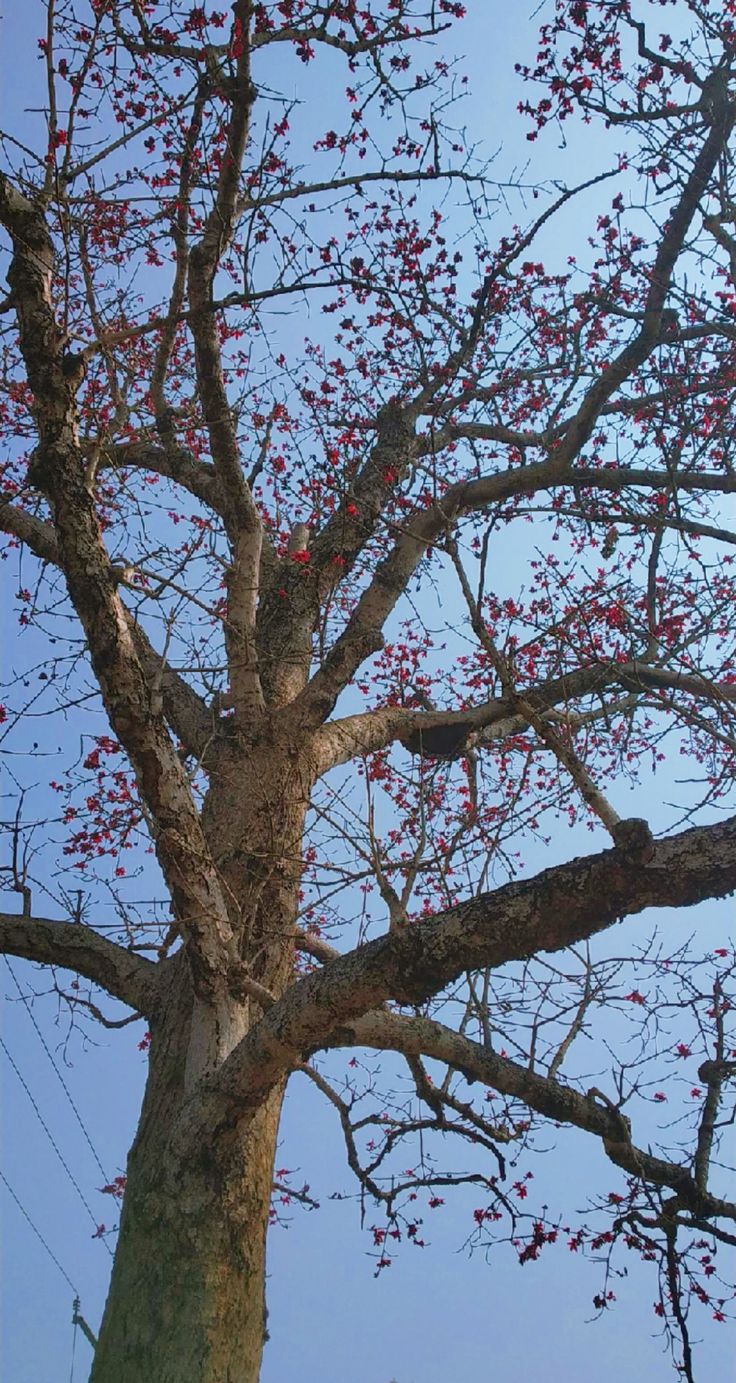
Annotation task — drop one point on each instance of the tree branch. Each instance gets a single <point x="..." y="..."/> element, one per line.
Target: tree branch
<point x="554" y="909"/>
<point x="622" y="477"/>
<point x="75" y="946"/>
<point x="240" y="513"/>
<point x="580" y="427"/>
<point x="133" y="706"/>
<point x="338" y="741"/>
<point x="176" y="463"/>
<point x="185" y="711"/>
<point x="418" y="1036"/>
<point x="38" y="535"/>
<point x="362" y="635"/>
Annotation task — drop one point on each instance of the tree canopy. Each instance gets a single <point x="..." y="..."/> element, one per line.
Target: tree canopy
<point x="366" y="536"/>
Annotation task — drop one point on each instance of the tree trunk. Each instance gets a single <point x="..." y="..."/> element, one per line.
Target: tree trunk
<point x="186" y="1301"/>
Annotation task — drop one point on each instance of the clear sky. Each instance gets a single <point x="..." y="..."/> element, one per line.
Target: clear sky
<point x="436" y="1314"/>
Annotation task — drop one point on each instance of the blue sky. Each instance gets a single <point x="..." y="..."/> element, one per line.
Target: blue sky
<point x="436" y="1313"/>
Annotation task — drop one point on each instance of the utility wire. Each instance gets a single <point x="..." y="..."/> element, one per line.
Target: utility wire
<point x="54" y="1144"/>
<point x="62" y="1082"/>
<point x="37" y="1232"/>
<point x="78" y="1321"/>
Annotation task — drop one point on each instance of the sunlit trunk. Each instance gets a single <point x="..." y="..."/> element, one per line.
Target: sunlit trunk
<point x="186" y="1301"/>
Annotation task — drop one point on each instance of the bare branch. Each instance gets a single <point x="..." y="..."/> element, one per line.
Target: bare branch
<point x="177" y="463"/>
<point x="133" y="706"/>
<point x="338" y="741"/>
<point x="187" y="714"/>
<point x="417" y="1036"/>
<point x="75" y="946"/>
<point x="362" y="635"/>
<point x="552" y="910"/>
<point x="240" y="513"/>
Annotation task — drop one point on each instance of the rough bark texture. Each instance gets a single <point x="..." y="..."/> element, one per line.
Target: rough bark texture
<point x="186" y="1301"/>
<point x="295" y="618"/>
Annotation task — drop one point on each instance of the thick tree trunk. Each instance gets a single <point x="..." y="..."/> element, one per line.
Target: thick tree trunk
<point x="186" y="1301"/>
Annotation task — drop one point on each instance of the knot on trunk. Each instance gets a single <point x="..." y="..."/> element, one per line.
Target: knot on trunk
<point x="634" y="839"/>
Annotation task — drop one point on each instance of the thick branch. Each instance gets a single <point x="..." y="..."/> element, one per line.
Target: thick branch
<point x="416" y="1036"/>
<point x="362" y="634"/>
<point x="347" y="532"/>
<point x="240" y="513"/>
<point x="556" y="908"/>
<point x="34" y="532"/>
<point x="185" y="711"/>
<point x="425" y="731"/>
<point x="580" y="427"/>
<point x="570" y="436"/>
<point x="176" y="463"/>
<point x="625" y="477"/>
<point x="341" y="740"/>
<point x="77" y="947"/>
<point x="133" y="706"/>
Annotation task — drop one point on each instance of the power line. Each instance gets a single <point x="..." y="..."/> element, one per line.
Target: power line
<point x="54" y="1144"/>
<point x="37" y="1232"/>
<point x="63" y="1083"/>
<point x="78" y="1320"/>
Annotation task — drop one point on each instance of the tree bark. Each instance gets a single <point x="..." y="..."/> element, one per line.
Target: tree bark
<point x="187" y="1295"/>
<point x="186" y="1301"/>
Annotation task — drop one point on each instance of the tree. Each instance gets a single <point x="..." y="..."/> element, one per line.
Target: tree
<point x="238" y="538"/>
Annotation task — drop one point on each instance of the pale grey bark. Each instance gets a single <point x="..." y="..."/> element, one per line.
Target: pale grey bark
<point x="77" y="947"/>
